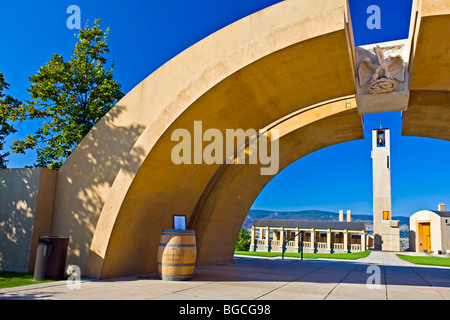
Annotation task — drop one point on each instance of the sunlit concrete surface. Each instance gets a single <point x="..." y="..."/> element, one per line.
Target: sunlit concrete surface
<point x="251" y="278"/>
<point x="428" y="111"/>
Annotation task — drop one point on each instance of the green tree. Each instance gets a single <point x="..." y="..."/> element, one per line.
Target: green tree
<point x="70" y="97"/>
<point x="243" y="241"/>
<point x="7" y="103"/>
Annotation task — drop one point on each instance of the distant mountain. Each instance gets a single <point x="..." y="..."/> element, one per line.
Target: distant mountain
<point x="320" y="216"/>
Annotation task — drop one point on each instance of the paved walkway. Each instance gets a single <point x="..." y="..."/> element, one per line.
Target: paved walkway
<point x="266" y="278"/>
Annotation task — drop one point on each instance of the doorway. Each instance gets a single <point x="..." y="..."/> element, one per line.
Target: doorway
<point x="424" y="237"/>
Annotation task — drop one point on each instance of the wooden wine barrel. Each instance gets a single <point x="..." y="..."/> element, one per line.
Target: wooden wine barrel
<point x="177" y="253"/>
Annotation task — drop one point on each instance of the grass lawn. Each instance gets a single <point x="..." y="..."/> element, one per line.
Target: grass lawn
<point x="433" y="261"/>
<point x="349" y="256"/>
<point x="14" y="279"/>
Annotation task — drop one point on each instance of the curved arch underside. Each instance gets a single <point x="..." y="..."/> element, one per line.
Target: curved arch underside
<point x="428" y="113"/>
<point x="119" y="188"/>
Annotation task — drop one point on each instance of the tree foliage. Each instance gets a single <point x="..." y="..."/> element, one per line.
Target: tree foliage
<point x="6" y="103"/>
<point x="243" y="241"/>
<point x="70" y="97"/>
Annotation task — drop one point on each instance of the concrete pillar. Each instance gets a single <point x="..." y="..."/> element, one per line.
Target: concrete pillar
<point x="252" y="243"/>
<point x="297" y="241"/>
<point x="267" y="240"/>
<point x="328" y="241"/>
<point x="363" y="242"/>
<point x="345" y="241"/>
<point x="313" y="240"/>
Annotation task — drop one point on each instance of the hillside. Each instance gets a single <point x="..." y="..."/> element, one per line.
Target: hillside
<point x="321" y="216"/>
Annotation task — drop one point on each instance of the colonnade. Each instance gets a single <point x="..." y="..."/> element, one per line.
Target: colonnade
<point x="270" y="239"/>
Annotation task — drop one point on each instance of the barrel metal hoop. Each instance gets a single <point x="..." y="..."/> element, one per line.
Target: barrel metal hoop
<point x="172" y="277"/>
<point x="176" y="245"/>
<point x="176" y="264"/>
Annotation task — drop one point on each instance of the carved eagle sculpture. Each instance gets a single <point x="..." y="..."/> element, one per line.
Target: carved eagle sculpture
<point x="391" y="68"/>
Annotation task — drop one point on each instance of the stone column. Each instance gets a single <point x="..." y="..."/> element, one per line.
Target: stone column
<point x="313" y="240"/>
<point x="252" y="243"/>
<point x="363" y="241"/>
<point x="281" y="239"/>
<point x="345" y="241"/>
<point x="329" y="241"/>
<point x="297" y="241"/>
<point x="267" y="240"/>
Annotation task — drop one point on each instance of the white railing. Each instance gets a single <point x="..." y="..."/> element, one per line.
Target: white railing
<point x="354" y="247"/>
<point x="321" y="245"/>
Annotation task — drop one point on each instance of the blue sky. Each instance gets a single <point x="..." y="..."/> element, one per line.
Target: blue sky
<point x="146" y="33"/>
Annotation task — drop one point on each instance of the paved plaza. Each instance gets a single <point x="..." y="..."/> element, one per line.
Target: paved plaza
<point x="252" y="278"/>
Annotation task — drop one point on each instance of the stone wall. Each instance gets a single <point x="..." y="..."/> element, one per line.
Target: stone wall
<point x="26" y="203"/>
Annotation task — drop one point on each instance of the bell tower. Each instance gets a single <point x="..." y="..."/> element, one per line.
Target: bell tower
<point x="386" y="232"/>
<point x="381" y="182"/>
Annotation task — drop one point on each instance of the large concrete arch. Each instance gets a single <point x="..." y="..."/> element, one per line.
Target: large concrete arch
<point x="428" y="113"/>
<point x="301" y="73"/>
<point x="290" y="66"/>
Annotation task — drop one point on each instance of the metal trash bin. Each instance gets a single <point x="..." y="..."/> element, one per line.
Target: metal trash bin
<point x="50" y="258"/>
